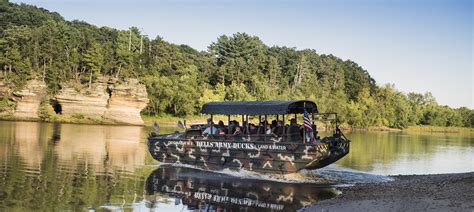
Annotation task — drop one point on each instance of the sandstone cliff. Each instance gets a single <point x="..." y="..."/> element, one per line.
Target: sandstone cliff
<point x="112" y="102"/>
<point x="126" y="101"/>
<point x="105" y="102"/>
<point x="91" y="102"/>
<point x="29" y="99"/>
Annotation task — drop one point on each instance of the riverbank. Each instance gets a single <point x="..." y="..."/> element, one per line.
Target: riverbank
<point x="441" y="192"/>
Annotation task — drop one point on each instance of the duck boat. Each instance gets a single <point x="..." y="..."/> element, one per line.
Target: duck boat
<point x="281" y="148"/>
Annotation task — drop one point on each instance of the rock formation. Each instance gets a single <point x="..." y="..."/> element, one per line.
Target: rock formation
<point x="106" y="101"/>
<point x="126" y="101"/>
<point x="29" y="100"/>
<point x="91" y="102"/>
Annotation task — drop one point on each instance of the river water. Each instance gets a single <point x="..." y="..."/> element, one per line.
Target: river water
<point x="45" y="166"/>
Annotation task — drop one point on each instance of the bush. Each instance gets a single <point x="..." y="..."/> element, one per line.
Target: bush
<point x="78" y="116"/>
<point x="46" y="111"/>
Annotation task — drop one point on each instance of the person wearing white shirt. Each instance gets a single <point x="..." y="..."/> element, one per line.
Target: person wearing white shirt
<point x="210" y="130"/>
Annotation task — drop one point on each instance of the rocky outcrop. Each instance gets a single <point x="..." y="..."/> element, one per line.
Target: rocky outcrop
<point x="91" y="102"/>
<point x="29" y="100"/>
<point x="106" y="101"/>
<point x="126" y="101"/>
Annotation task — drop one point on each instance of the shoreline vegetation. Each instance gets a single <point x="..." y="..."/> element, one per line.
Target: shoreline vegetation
<point x="39" y="45"/>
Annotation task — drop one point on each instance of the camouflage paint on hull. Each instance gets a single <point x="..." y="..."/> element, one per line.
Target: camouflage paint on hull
<point x="257" y="153"/>
<point x="199" y="190"/>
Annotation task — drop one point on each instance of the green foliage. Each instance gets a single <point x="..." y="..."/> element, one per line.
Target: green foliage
<point x="46" y="111"/>
<point x="6" y="104"/>
<point x="237" y="92"/>
<point x="78" y="116"/>
<point x="35" y="43"/>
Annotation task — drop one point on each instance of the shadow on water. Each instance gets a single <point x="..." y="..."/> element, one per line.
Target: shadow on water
<point x="194" y="189"/>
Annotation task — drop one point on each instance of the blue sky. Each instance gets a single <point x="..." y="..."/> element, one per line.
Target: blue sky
<point x="417" y="45"/>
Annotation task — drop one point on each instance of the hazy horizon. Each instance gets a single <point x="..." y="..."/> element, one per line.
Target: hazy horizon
<point x="420" y="46"/>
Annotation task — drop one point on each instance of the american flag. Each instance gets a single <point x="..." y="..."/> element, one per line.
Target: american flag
<point x="307" y="121"/>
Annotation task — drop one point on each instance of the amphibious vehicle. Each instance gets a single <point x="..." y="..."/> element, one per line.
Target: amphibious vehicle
<point x="263" y="147"/>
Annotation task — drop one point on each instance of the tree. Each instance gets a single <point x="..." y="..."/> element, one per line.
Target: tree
<point x="93" y="59"/>
<point x="36" y="43"/>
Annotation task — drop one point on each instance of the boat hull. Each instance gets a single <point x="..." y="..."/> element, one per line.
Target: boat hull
<point x="257" y="154"/>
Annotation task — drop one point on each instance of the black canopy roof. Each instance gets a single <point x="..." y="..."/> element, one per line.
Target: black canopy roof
<point x="259" y="107"/>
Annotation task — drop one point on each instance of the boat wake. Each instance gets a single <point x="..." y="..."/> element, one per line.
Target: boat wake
<point x="332" y="175"/>
<point x="304" y="176"/>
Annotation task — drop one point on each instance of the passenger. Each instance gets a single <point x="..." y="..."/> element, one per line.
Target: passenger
<point x="222" y="131"/>
<point x="232" y="126"/>
<point x="253" y="129"/>
<point x="237" y="124"/>
<point x="278" y="130"/>
<point x="269" y="130"/>
<point x="274" y="124"/>
<point x="294" y="132"/>
<point x="262" y="130"/>
<point x="221" y="125"/>
<point x="210" y="130"/>
<point x="238" y="133"/>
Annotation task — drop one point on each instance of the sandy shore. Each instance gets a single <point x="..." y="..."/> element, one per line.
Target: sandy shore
<point x="442" y="192"/>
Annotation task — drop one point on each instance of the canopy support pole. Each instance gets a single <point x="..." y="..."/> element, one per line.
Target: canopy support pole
<point x="304" y="129"/>
<point x="284" y="131"/>
<point x="243" y="122"/>
<point x="265" y="128"/>
<point x="228" y="124"/>
<point x="247" y="124"/>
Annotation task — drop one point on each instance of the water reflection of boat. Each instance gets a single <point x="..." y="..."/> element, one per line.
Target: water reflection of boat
<point x="287" y="149"/>
<point x="212" y="191"/>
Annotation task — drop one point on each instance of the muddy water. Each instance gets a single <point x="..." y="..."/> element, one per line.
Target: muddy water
<point x="85" y="167"/>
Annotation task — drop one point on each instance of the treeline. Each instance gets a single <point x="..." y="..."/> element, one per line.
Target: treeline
<point x="36" y="43"/>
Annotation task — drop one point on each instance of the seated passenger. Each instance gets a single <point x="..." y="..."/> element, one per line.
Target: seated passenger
<point x="294" y="132"/>
<point x="222" y="131"/>
<point x="231" y="127"/>
<point x="221" y="126"/>
<point x="261" y="128"/>
<point x="253" y="129"/>
<point x="269" y="130"/>
<point x="237" y="133"/>
<point x="279" y="129"/>
<point x="274" y="124"/>
<point x="210" y="130"/>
